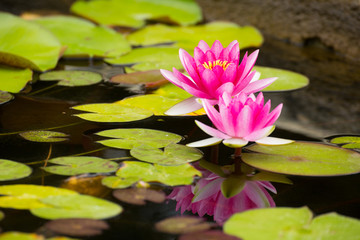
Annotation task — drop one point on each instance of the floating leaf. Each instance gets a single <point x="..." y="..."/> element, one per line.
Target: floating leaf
<point x="208" y="235"/>
<point x="26" y="196"/>
<point x="26" y="44"/>
<point x="129" y="138"/>
<point x="172" y="91"/>
<point x="189" y="37"/>
<point x="291" y="223"/>
<point x="116" y="182"/>
<point x="5" y="97"/>
<point x="149" y="58"/>
<point x="149" y="79"/>
<point x="76" y="206"/>
<point x="182" y="224"/>
<point x="20" y="236"/>
<point x="83" y="37"/>
<point x="138" y="196"/>
<point x="80" y="165"/>
<point x="110" y="112"/>
<point x="173" y="154"/>
<point x="86" y="184"/>
<point x="44" y="136"/>
<point x="78" y="227"/>
<point x="287" y="80"/>
<point x="10" y="170"/>
<point x="12" y="79"/>
<point x="303" y="158"/>
<point x="133" y="13"/>
<point x="347" y="141"/>
<point x="72" y="78"/>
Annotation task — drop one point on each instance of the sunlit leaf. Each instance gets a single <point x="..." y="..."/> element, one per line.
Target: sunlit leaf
<point x="84" y="38"/>
<point x="287" y="80"/>
<point x="171" y="91"/>
<point x="182" y="224"/>
<point x="80" y="165"/>
<point x="173" y="154"/>
<point x="78" y="227"/>
<point x="12" y="79"/>
<point x="303" y="158"/>
<point x="347" y="141"/>
<point x="44" y="136"/>
<point x="20" y="236"/>
<point x="138" y="196"/>
<point x="5" y="97"/>
<point x="189" y="37"/>
<point x="207" y="235"/>
<point x="76" y="206"/>
<point x="26" y="196"/>
<point x="110" y="112"/>
<point x="127" y="138"/>
<point x="72" y="78"/>
<point x="133" y="13"/>
<point x="149" y="58"/>
<point x="291" y="223"/>
<point x="10" y="170"/>
<point x="149" y="79"/>
<point x="116" y="182"/>
<point x="26" y="44"/>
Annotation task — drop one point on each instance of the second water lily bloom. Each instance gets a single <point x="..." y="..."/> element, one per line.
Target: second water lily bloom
<point x="213" y="71"/>
<point x="239" y="120"/>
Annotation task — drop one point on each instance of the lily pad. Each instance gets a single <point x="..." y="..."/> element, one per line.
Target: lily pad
<point x="182" y="225"/>
<point x="149" y="58"/>
<point x="116" y="182"/>
<point x="291" y="223"/>
<point x="13" y="79"/>
<point x="207" y="235"/>
<point x="72" y="78"/>
<point x="149" y="79"/>
<point x="44" y="136"/>
<point x="128" y="138"/>
<point x="5" y="97"/>
<point x="76" y="206"/>
<point x="20" y="236"/>
<point x="172" y="91"/>
<point x="189" y="37"/>
<point x="11" y="170"/>
<point x="80" y="165"/>
<point x="138" y="196"/>
<point x="347" y="141"/>
<point x="26" y="44"/>
<point x="26" y="196"/>
<point x="84" y="38"/>
<point x="110" y="112"/>
<point x="133" y="13"/>
<point x="287" y="80"/>
<point x="303" y="158"/>
<point x="173" y="154"/>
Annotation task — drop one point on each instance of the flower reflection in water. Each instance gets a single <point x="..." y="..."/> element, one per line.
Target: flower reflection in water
<point x="205" y="197"/>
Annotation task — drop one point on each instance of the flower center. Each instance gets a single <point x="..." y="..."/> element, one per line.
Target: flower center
<point x="211" y="65"/>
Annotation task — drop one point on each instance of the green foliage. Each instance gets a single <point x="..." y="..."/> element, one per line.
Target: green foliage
<point x="20" y="236"/>
<point x="347" y="141"/>
<point x="72" y="78"/>
<point x="11" y="170"/>
<point x="13" y="79"/>
<point x="44" y="136"/>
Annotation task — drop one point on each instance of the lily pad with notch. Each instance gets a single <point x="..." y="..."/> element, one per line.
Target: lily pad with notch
<point x="303" y="158"/>
<point x="351" y="142"/>
<point x="172" y="155"/>
<point x="11" y="170"/>
<point x="44" y="136"/>
<point x="72" y="78"/>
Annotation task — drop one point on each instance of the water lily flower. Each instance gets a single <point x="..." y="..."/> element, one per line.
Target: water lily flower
<point x="212" y="72"/>
<point x="239" y="120"/>
<point x="205" y="197"/>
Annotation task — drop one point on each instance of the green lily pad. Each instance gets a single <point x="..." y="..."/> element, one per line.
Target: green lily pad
<point x="110" y="112"/>
<point x="76" y="206"/>
<point x="116" y="182"/>
<point x="303" y="158"/>
<point x="84" y="38"/>
<point x="80" y="165"/>
<point x="172" y="91"/>
<point x="149" y="58"/>
<point x="44" y="136"/>
<point x="11" y="170"/>
<point x="128" y="138"/>
<point x="5" y="97"/>
<point x="133" y="13"/>
<point x="72" y="78"/>
<point x="26" y="196"/>
<point x="150" y="79"/>
<point x="26" y="44"/>
<point x="13" y="79"/>
<point x="189" y="37"/>
<point x="20" y="236"/>
<point x="173" y="154"/>
<point x="287" y="80"/>
<point x="291" y="223"/>
<point x="347" y="141"/>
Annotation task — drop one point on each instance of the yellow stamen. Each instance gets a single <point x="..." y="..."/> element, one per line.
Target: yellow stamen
<point x="211" y="65"/>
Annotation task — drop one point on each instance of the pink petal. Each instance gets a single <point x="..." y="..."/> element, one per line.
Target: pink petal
<point x="225" y="88"/>
<point x="267" y="185"/>
<point x="189" y="64"/>
<point x="274" y="115"/>
<point x="249" y="63"/>
<point x="196" y="92"/>
<point x="184" y="79"/>
<point x="187" y="106"/>
<point x="171" y="77"/>
<point x="258" y="85"/>
<point x="216" y="48"/>
<point x="235" y="142"/>
<point x="210" y="56"/>
<point x="203" y="46"/>
<point x="214" y="115"/>
<point x="211" y="131"/>
<point x="234" y="54"/>
<point x="259" y="134"/>
<point x="218" y="71"/>
<point x="256" y="77"/>
<point x="273" y="141"/>
<point x="256" y="194"/>
<point x="208" y="190"/>
<point x="199" y="56"/>
<point x="210" y="82"/>
<point x="243" y="122"/>
<point x="205" y="143"/>
<point x="229" y="74"/>
<point x="240" y="84"/>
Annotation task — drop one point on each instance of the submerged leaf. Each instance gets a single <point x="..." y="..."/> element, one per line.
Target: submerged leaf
<point x="5" y="97"/>
<point x="26" y="44"/>
<point x="11" y="170"/>
<point x="44" y="136"/>
<point x="138" y="196"/>
<point x="72" y="78"/>
<point x="13" y="80"/>
<point x="182" y="225"/>
<point x="133" y="13"/>
<point x="208" y="235"/>
<point x="149" y="79"/>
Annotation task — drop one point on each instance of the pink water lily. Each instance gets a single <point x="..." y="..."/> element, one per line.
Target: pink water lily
<point x="239" y="120"/>
<point x="205" y="197"/>
<point x="212" y="72"/>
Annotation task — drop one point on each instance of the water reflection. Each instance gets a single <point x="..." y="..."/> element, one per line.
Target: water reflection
<point x="205" y="197"/>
